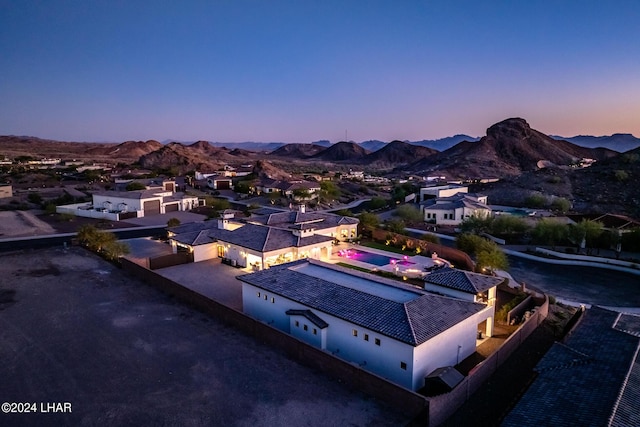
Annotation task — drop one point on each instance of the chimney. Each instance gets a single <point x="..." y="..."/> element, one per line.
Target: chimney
<point x="223" y="224"/>
<point x="303" y="208"/>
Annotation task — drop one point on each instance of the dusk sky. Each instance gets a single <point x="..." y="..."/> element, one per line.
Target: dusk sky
<point x="300" y="71"/>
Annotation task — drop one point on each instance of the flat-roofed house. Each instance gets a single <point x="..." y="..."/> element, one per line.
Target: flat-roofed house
<point x="393" y="330"/>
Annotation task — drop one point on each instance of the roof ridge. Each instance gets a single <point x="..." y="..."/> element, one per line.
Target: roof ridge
<point x="406" y="310"/>
<point x="266" y="239"/>
<point x="624" y="386"/>
<point x="584" y="359"/>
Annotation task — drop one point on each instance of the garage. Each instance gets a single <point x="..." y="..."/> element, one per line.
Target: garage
<point x="223" y="184"/>
<point x="152" y="207"/>
<point x="171" y="208"/>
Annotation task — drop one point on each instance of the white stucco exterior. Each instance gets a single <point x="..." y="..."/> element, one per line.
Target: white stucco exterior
<point x="398" y="361"/>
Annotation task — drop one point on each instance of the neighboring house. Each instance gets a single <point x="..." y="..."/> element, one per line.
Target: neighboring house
<point x="247" y="245"/>
<point x="442" y="191"/>
<point x="6" y="190"/>
<point x="267" y="186"/>
<point x="149" y="183"/>
<point x="295" y="189"/>
<point x="327" y="224"/>
<point x="393" y="330"/>
<point x="117" y="205"/>
<point x="592" y="378"/>
<point x="219" y="182"/>
<point x="289" y="189"/>
<point x="455" y="209"/>
<point x="612" y="222"/>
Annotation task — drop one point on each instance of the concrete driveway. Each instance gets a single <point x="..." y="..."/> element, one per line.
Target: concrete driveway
<point x="210" y="278"/>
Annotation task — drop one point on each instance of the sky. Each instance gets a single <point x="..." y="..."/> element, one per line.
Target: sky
<point x="307" y="70"/>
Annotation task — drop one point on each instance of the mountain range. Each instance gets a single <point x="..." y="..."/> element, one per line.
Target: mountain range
<point x="525" y="161"/>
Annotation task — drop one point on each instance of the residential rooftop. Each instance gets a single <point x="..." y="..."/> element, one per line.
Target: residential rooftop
<point x="592" y="379"/>
<point x="413" y="318"/>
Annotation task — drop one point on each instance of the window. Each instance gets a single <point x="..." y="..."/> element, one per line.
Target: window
<point x="354" y="332"/>
<point x="377" y="341"/>
<point x="297" y="324"/>
<point x="366" y="337"/>
<point x="273" y="300"/>
<point x="305" y="327"/>
<point x="403" y="366"/>
<point x="258" y="294"/>
<point x="265" y="297"/>
<point x="315" y="331"/>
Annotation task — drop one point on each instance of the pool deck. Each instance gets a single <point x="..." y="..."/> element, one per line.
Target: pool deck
<point x="414" y="270"/>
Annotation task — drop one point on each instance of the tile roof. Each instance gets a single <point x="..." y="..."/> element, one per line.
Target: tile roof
<point x="593" y="379"/>
<point x="456" y="201"/>
<point x="464" y="281"/>
<point x="310" y="315"/>
<point x="321" y="220"/>
<point x="250" y="236"/>
<point x="413" y="322"/>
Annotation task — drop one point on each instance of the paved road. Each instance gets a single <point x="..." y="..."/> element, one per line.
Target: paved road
<point x="584" y="285"/>
<point x="587" y="285"/>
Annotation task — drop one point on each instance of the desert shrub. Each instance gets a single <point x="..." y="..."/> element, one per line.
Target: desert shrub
<point x="535" y="200"/>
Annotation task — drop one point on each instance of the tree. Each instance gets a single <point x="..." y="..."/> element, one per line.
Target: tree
<point x="50" y="209"/>
<point x="621" y="175"/>
<point x="409" y="213"/>
<point x="329" y="191"/>
<point x="368" y="222"/>
<point x="135" y="186"/>
<point x="492" y="258"/>
<point x="395" y="226"/>
<point x="472" y="243"/>
<point x="508" y="224"/>
<point x="586" y="233"/>
<point x="173" y="222"/>
<point x="102" y="242"/>
<point x="549" y="232"/>
<point x="242" y="187"/>
<point x="476" y="225"/>
<point x="301" y="193"/>
<point x="377" y="203"/>
<point x="34" y="198"/>
<point x="217" y="204"/>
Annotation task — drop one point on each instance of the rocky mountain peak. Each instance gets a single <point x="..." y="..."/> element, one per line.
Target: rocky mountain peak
<point x="514" y="128"/>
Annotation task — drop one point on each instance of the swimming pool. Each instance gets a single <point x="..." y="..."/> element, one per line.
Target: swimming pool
<point x="371" y="258"/>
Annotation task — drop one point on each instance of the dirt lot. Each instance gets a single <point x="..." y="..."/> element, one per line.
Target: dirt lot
<point x="76" y="329"/>
<point x="22" y="223"/>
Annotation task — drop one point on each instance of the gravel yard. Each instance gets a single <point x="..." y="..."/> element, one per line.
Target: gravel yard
<point x="76" y="329"/>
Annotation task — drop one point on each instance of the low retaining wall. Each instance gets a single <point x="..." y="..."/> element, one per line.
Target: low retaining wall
<point x="443" y="406"/>
<point x="460" y="259"/>
<point x="519" y="309"/>
<point x="407" y="401"/>
<point x="597" y="259"/>
<point x="571" y="262"/>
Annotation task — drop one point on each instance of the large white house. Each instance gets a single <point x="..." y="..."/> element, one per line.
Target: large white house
<point x="248" y="245"/>
<point x="442" y="191"/>
<point x="393" y="330"/>
<point x="327" y="224"/>
<point x="455" y="209"/>
<point x="117" y="205"/>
